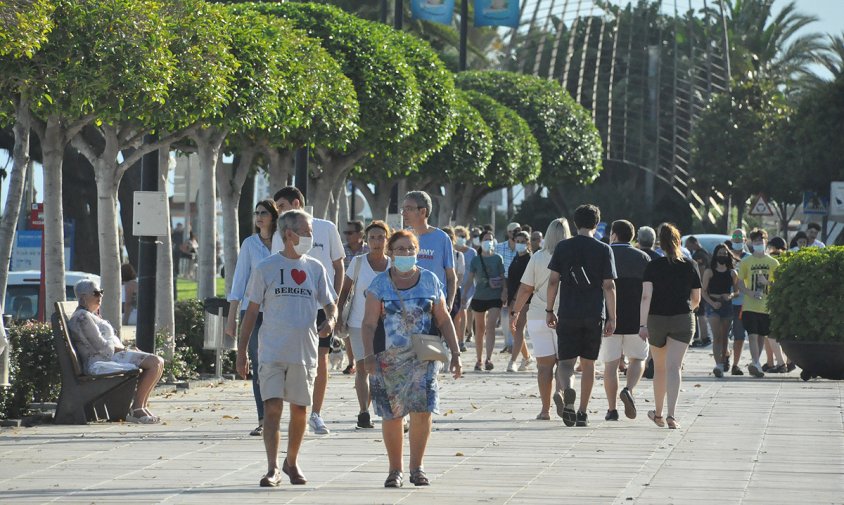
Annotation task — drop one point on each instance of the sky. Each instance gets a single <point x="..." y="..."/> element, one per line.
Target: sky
<point x="830" y="14"/>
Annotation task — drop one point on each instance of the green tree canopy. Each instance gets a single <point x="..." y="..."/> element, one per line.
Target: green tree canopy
<point x="24" y="25"/>
<point x="567" y="137"/>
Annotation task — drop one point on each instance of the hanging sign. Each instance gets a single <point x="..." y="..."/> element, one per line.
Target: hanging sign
<point x="497" y="13"/>
<point x="435" y="11"/>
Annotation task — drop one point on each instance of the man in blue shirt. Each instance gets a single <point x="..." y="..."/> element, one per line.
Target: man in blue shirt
<point x="436" y="252"/>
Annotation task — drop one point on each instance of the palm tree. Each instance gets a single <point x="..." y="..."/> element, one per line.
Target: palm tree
<point x="766" y="45"/>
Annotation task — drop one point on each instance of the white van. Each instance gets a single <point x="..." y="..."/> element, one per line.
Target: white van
<point x="22" y="292"/>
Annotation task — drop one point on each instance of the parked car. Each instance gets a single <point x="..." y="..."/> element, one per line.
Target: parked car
<point x="707" y="240"/>
<point x="22" y="292"/>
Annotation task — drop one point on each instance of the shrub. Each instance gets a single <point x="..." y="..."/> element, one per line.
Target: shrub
<point x="179" y="367"/>
<point x="806" y="290"/>
<point x="34" y="371"/>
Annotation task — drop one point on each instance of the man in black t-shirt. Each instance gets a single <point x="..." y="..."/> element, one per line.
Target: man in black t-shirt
<point x="630" y="264"/>
<point x="584" y="270"/>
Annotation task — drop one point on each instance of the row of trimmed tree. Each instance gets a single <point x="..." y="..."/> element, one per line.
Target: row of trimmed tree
<point x="259" y="81"/>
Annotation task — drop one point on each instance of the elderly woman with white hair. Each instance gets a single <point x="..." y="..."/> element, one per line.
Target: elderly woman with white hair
<point x="103" y="352"/>
<point x="535" y="283"/>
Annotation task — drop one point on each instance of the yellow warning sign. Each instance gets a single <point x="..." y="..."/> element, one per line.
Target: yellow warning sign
<point x="761" y="207"/>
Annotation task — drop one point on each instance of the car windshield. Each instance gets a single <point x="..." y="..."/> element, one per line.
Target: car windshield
<point x="22" y="301"/>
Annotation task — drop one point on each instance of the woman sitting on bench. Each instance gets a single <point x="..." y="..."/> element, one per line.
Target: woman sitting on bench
<point x="102" y="352"/>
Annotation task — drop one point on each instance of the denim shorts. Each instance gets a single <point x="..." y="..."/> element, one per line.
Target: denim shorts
<point x="725" y="312"/>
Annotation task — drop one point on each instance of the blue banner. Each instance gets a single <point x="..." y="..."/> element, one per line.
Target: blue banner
<point x="497" y="13"/>
<point x="436" y="11"/>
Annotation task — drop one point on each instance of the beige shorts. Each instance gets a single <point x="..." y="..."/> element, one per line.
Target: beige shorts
<point x="614" y="346"/>
<point x="293" y="383"/>
<point x="543" y="338"/>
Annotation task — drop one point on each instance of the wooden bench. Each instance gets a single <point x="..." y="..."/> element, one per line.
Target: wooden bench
<point x="87" y="398"/>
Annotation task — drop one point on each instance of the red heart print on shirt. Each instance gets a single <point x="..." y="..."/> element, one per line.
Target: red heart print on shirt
<point x="299" y="276"/>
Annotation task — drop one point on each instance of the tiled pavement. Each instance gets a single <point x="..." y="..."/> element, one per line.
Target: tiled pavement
<point x="743" y="440"/>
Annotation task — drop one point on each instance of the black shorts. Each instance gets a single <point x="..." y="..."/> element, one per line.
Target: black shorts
<point x="324" y="342"/>
<point x="756" y="323"/>
<point x="455" y="307"/>
<point x="484" y="305"/>
<point x="579" y="338"/>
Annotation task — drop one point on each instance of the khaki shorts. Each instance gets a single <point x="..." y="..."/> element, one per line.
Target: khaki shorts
<point x="680" y="327"/>
<point x="631" y="346"/>
<point x="293" y="383"/>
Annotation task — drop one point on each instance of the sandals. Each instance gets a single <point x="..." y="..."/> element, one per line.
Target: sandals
<point x="270" y="480"/>
<point x="146" y="417"/>
<point x="257" y="432"/>
<point x="418" y="478"/>
<point x="543" y="416"/>
<point x="658" y="420"/>
<point x="394" y="479"/>
<point x="672" y="423"/>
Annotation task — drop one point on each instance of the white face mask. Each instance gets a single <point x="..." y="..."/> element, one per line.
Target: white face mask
<point x="305" y="244"/>
<point x="461" y="241"/>
<point x="487" y="245"/>
<point x="476" y="241"/>
<point x="520" y="248"/>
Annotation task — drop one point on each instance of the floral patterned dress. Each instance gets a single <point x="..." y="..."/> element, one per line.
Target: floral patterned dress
<point x="401" y="383"/>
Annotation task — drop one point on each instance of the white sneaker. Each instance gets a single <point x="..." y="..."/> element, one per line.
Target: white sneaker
<point x="317" y="425"/>
<point x="527" y="363"/>
<point x="511" y="366"/>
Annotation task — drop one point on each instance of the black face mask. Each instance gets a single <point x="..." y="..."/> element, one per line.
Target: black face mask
<point x="722" y="261"/>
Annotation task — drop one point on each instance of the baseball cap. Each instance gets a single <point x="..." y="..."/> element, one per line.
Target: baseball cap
<point x="86" y="287"/>
<point x="513" y="226"/>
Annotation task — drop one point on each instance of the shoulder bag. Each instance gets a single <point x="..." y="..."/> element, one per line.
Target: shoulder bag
<point x="426" y="347"/>
<point x="494" y="282"/>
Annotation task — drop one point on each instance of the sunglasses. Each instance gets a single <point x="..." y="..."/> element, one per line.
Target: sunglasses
<point x="98" y="294"/>
<point x="350" y="232"/>
<point x="262" y="213"/>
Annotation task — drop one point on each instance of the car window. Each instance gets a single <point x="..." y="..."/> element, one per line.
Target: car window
<point x="21" y="302"/>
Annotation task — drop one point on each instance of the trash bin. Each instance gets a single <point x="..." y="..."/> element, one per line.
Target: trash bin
<point x="215" y="338"/>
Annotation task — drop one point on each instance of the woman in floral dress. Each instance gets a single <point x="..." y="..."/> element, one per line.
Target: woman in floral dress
<point x="400" y="302"/>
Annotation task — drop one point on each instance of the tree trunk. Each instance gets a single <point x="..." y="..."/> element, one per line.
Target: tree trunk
<point x="335" y="168"/>
<point x="279" y="169"/>
<point x="379" y="199"/>
<point x="107" y="182"/>
<point x="208" y="142"/>
<point x="446" y="208"/>
<point x="129" y="183"/>
<point x="17" y="179"/>
<point x="52" y="146"/>
<point x="245" y="208"/>
<point x="165" y="320"/>
<point x="230" y="179"/>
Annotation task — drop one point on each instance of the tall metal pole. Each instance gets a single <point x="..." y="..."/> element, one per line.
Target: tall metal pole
<point x="384" y="9"/>
<point x="464" y="34"/>
<point x="147" y="259"/>
<point x="301" y="164"/>
<point x="398" y="15"/>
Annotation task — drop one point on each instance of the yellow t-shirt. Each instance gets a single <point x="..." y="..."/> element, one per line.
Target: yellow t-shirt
<point x="757" y="274"/>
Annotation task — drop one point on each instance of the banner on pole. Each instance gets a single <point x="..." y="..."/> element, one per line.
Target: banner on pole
<point x="497" y="13"/>
<point x="435" y="11"/>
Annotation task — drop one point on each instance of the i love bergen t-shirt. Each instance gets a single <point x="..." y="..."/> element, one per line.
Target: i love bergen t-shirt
<point x="291" y="292"/>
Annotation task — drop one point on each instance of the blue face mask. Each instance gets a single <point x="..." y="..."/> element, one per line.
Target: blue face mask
<point x="520" y="248"/>
<point x="404" y="263"/>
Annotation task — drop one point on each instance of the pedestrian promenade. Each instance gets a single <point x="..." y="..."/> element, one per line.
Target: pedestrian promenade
<point x="742" y="440"/>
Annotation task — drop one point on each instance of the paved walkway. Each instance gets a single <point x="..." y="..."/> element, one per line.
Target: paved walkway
<point x="743" y="440"/>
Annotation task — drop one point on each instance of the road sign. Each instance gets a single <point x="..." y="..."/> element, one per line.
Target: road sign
<point x="814" y="203"/>
<point x="36" y="217"/>
<point x="836" y="199"/>
<point x="761" y="207"/>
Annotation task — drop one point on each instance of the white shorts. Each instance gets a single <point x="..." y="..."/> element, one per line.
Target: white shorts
<point x="631" y="346"/>
<point x="543" y="338"/>
<point x="293" y="383"/>
<point x="356" y="339"/>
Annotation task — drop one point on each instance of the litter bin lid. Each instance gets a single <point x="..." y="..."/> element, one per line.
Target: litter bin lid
<point x="213" y="306"/>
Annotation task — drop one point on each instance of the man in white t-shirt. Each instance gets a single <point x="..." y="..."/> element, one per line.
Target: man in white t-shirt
<point x="328" y="250"/>
<point x="290" y="286"/>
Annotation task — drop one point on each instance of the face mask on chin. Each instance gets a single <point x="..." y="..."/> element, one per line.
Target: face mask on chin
<point x="305" y="244"/>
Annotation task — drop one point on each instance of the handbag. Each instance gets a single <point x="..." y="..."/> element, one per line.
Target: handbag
<point x="426" y="347"/>
<point x="347" y="308"/>
<point x="494" y="282"/>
